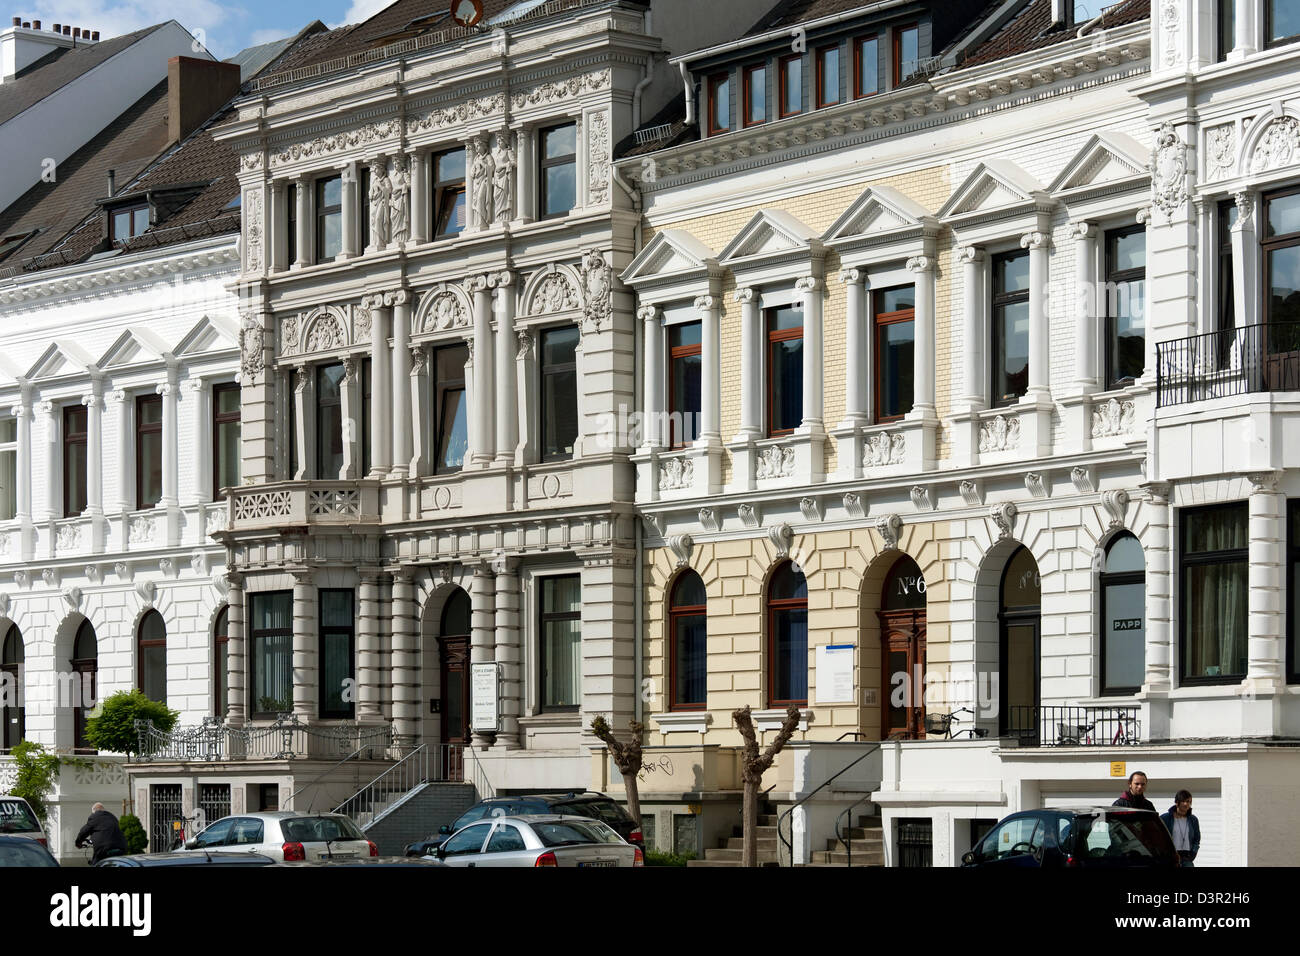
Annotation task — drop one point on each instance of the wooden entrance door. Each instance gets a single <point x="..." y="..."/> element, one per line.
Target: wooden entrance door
<point x="902" y="668"/>
<point x="453" y="661"/>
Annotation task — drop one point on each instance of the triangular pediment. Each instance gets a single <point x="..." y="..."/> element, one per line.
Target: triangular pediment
<point x="135" y="346"/>
<point x="995" y="184"/>
<point x="770" y="232"/>
<point x="210" y="335"/>
<point x="61" y="358"/>
<point x="671" y="252"/>
<point x="1107" y="157"/>
<point x="880" y="211"/>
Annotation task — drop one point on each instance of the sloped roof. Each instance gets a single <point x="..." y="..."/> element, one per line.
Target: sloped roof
<point x="1032" y="29"/>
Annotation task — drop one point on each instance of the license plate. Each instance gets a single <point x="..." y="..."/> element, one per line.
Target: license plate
<point x="598" y="863"/>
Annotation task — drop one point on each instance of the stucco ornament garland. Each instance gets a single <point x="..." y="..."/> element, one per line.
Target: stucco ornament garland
<point x="1169" y="173"/>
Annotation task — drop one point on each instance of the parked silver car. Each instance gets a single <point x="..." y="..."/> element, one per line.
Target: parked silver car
<point x="18" y="819"/>
<point x="285" y="836"/>
<point x="550" y="840"/>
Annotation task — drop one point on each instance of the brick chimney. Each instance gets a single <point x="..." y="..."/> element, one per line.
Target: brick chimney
<point x="195" y="90"/>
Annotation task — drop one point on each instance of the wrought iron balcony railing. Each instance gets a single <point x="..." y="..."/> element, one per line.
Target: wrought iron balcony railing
<point x="1234" y="361"/>
<point x="1074" y="726"/>
<point x="286" y="738"/>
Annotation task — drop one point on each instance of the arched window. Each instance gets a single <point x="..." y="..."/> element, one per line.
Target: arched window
<point x="11" y="688"/>
<point x="453" y="665"/>
<point x="1123" y="616"/>
<point x="687" y="652"/>
<point x="1021" y="620"/>
<point x="85" y="664"/>
<point x="151" y="662"/>
<point x="787" y="638"/>
<point x="220" y="662"/>
<point x="902" y="644"/>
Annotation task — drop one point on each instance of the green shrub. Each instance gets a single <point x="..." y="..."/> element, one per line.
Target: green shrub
<point x="113" y="731"/>
<point x="660" y="858"/>
<point x="136" y="839"/>
<point x="38" y="770"/>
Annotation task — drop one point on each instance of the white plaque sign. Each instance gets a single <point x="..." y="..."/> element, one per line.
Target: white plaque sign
<point x="483" y="678"/>
<point x="835" y="674"/>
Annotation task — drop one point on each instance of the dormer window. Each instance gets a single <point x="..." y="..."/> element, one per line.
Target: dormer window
<point x="11" y="242"/>
<point x="719" y="103"/>
<point x="907" y="52"/>
<point x="128" y="222"/>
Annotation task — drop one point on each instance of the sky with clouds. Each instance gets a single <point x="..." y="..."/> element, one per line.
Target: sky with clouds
<point x="227" y="25"/>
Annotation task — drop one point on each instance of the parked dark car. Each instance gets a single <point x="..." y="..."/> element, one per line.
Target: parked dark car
<point x="188" y="859"/>
<point x="586" y="803"/>
<point x="1096" y="837"/>
<point x="24" y="851"/>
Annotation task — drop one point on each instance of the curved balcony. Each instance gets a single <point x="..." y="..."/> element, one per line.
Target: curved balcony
<point x="301" y="504"/>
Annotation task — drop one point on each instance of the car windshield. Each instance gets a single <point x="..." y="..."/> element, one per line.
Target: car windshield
<point x="1122" y="840"/>
<point x="24" y="853"/>
<point x="575" y="832"/>
<point x="319" y="829"/>
<point x="474" y="814"/>
<point x="16" y="817"/>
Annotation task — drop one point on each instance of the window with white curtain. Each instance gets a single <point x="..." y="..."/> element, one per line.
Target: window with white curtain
<point x="270" y="630"/>
<point x="560" y="626"/>
<point x="1213" y="583"/>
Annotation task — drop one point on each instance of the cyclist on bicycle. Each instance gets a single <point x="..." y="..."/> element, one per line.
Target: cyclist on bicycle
<point x="103" y="833"/>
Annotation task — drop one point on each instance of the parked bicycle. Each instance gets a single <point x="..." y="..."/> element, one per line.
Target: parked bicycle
<point x="941" y="725"/>
<point x="1082" y="735"/>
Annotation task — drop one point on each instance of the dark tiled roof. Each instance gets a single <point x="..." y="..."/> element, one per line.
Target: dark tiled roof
<point x="57" y="69"/>
<point x="1032" y="30"/>
<point x="788" y="13"/>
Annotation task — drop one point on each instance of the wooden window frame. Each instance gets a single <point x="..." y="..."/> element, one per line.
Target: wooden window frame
<point x="773" y="607"/>
<point x="1001" y="300"/>
<point x="543" y="371"/>
<point x="1224" y="557"/>
<point x="291" y="224"/>
<point x="783" y="69"/>
<point x="678" y="352"/>
<point x="130" y="210"/>
<point x="141" y="429"/>
<point x="88" y="670"/>
<point x="543" y="164"/>
<point x="1225" y="291"/>
<point x="675" y="613"/>
<point x="1269" y="41"/>
<point x="896" y="51"/>
<point x="220" y="418"/>
<point x="747" y="85"/>
<point x="322" y="212"/>
<point x="1225" y="29"/>
<point x="1268" y="245"/>
<point x="819" y="65"/>
<point x="1114" y="278"/>
<point x="773" y="337"/>
<point x="70" y="440"/>
<point x="858" y="44"/>
<point x="440" y="390"/>
<point x="335" y="630"/>
<point x="255" y="634"/>
<point x="220" y="651"/>
<point x="140" y="646"/>
<point x="879" y="322"/>
<point x="317" y="372"/>
<point x="445" y="193"/>
<point x="543" y="618"/>
<point x="712" y="84"/>
<point x="1292" y="582"/>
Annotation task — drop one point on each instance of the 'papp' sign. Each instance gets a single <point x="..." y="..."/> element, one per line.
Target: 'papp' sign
<point x="102" y="910"/>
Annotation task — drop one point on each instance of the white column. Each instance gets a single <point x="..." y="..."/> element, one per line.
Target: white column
<point x="170" y="463"/>
<point x="526" y="377"/>
<point x="406" y="659"/>
<point x="305" y="638"/>
<point x="380" y="359"/>
<point x="125" y="460"/>
<point x="525" y="173"/>
<point x="653" y="403"/>
<point x="419" y="428"/>
<point x="809" y="287"/>
<point x="1266" y="656"/>
<point x="856" y="335"/>
<point x="925" y="356"/>
<point x="200" y="489"/>
<point x="751" y="365"/>
<point x="1039" y="245"/>
<point x="23" y="414"/>
<point x="507" y="424"/>
<point x="419" y="199"/>
<point x="508" y="651"/>
<point x="1245" y="256"/>
<point x="94" y="454"/>
<point x="481" y="409"/>
<point x="1244" y="27"/>
<point x="1159" y="630"/>
<point x="368" y="670"/>
<point x="401" y="392"/>
<point x="350" y="204"/>
<point x="710" y="399"/>
<point x="236" y="696"/>
<point x="482" y="622"/>
<point x="53" y="476"/>
<point x="304" y="395"/>
<point x="304" y="231"/>
<point x="350" y="407"/>
<point x="276" y="218"/>
<point x="1085" y="304"/>
<point x="973" y="272"/>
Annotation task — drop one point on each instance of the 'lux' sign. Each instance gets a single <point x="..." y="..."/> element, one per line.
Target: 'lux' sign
<point x="1128" y="624"/>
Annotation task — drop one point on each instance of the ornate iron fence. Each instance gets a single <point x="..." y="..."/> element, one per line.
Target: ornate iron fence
<point x="285" y="738"/>
<point x="1233" y="361"/>
<point x="1074" y="726"/>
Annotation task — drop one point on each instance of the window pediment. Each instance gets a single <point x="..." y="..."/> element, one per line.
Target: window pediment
<point x="1110" y="162"/>
<point x="60" y="359"/>
<point x="882" y="224"/>
<point x="997" y="189"/>
<point x="673" y="265"/>
<point x="773" y="245"/>
<point x="211" y="334"/>
<point x="135" y="346"/>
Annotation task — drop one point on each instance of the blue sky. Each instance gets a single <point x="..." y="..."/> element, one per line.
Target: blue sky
<point x="226" y="27"/>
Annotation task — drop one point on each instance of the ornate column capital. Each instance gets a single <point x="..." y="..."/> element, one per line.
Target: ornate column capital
<point x="525" y="344"/>
<point x="852" y="276"/>
<point x="20" y="410"/>
<point x="1264" y="481"/>
<point x="746" y="296"/>
<point x="648" y="313"/>
<point x="418" y="359"/>
<point x="1035" y="241"/>
<point x="46" y="407"/>
<point x="919" y="264"/>
<point x="90" y="399"/>
<point x="301" y="378"/>
<point x="303" y="576"/>
<point x="166" y="388"/>
<point x="703" y="303"/>
<point x="505" y="564"/>
<point x="500" y="280"/>
<point x="351" y="368"/>
<point x="478" y="283"/>
<point x="808" y="284"/>
<point x="969" y="254"/>
<point x="1245" y="202"/>
<point x="1083" y="230"/>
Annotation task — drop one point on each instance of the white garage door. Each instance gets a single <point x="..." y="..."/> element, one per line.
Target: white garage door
<point x="1207" y="805"/>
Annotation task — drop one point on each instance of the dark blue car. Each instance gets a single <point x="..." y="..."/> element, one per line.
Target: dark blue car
<point x="1096" y="837"/>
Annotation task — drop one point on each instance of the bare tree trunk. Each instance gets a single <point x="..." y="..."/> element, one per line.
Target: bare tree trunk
<point x="749" y="822"/>
<point x="752" y="767"/>
<point x="633" y="797"/>
<point x="627" y="757"/>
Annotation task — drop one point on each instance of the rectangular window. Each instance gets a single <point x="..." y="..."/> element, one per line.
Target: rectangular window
<point x="1281" y="22"/>
<point x="74" y="460"/>
<point x="866" y="67"/>
<point x="8" y="468"/>
<point x="329" y="421"/>
<point x="225" y="438"/>
<point x="363" y="194"/>
<point x="130" y="222"/>
<point x="1225" y="220"/>
<point x="1213" y="583"/>
<point x="270" y="635"/>
<point x="450" y="424"/>
<point x="907" y="52"/>
<point x="365" y="417"/>
<point x="1293" y="591"/>
<point x="337" y="653"/>
<point x="1280" y="246"/>
<point x="221" y="663"/>
<point x="148" y="450"/>
<point x="684" y="383"/>
<point x="719" y="103"/>
<point x="784" y="370"/>
<point x="790" y="80"/>
<point x="329" y="218"/>
<point x="755" y="94"/>
<point x="895" y="322"/>
<point x="1126" y="272"/>
<point x="559" y="405"/>
<point x="828" y="76"/>
<point x="1227" y="28"/>
<point x="291" y="223"/>
<point x="291" y="377"/>
<point x="1010" y="327"/>
<point x="559" y="170"/>
<point x="448" y="193"/>
<point x="560" y="629"/>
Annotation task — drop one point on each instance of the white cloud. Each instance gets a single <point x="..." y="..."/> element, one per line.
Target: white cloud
<point x="362" y="10"/>
<point x="221" y="25"/>
<point x="270" y="35"/>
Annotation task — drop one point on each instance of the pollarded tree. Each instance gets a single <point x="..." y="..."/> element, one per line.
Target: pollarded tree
<point x="627" y="757"/>
<point x="752" y="767"/>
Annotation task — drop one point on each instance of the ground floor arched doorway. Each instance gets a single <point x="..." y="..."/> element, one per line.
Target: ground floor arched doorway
<point x="902" y="648"/>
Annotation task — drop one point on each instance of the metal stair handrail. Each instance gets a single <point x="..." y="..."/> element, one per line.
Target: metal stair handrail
<point x="789" y="844"/>
<point x="316" y="779"/>
<point x="417" y="756"/>
<point x="848" y="844"/>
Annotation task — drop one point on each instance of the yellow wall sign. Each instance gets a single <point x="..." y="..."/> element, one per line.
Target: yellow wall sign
<point x="1117" y="768"/>
<point x="695" y="808"/>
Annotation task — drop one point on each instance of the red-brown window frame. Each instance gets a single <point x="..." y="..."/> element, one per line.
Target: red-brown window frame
<point x="746" y="85"/>
<point x="70" y="439"/>
<point x="880" y="320"/>
<point x="220" y="418"/>
<point x="143" y="428"/>
<point x="774" y="607"/>
<point x="676" y="352"/>
<point x="897" y="49"/>
<point x="714" y="82"/>
<point x="818" y="63"/>
<point x="780" y="335"/>
<point x="783" y="66"/>
<point x="674" y="613"/>
<point x="858" y="43"/>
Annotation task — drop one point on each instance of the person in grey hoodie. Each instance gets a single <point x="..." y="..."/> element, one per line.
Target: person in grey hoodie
<point x="1183" y="827"/>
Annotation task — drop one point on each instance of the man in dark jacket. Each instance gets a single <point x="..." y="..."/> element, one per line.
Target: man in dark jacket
<point x="103" y="833"/>
<point x="1183" y="827"/>
<point x="1133" y="796"/>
